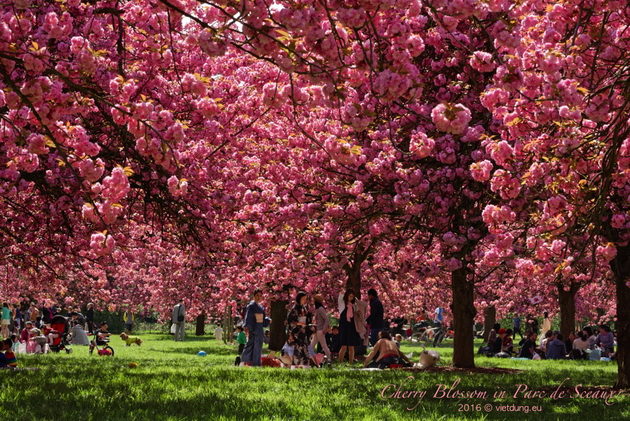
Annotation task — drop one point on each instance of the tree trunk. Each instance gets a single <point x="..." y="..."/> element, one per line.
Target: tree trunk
<point x="277" y="330"/>
<point x="567" y="309"/>
<point x="463" y="309"/>
<point x="201" y="323"/>
<point x="228" y="325"/>
<point x="354" y="280"/>
<point x="489" y="319"/>
<point x="354" y="271"/>
<point x="620" y="266"/>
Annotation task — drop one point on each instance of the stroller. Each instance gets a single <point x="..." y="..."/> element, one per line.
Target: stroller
<point x="61" y="326"/>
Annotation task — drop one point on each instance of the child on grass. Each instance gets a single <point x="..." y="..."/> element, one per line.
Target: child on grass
<point x="50" y="334"/>
<point x="14" y="342"/>
<point x="37" y="343"/>
<point x="7" y="356"/>
<point x="218" y="333"/>
<point x="241" y="339"/>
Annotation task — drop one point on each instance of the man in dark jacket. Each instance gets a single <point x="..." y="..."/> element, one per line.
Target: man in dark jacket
<point x="375" y="319"/>
<point x="89" y="317"/>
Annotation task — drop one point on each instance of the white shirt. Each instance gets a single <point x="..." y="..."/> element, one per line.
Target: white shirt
<point x="580" y="344"/>
<point x="218" y="333"/>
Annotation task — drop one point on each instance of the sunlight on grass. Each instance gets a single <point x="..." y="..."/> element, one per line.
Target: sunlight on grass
<point x="172" y="382"/>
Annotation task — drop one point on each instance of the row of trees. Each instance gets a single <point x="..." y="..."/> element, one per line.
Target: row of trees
<point x="467" y="152"/>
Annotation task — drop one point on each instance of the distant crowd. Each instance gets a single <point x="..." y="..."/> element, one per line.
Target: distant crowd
<point x="586" y="344"/>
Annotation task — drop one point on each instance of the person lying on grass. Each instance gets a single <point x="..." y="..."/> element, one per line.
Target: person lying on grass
<point x="388" y="353"/>
<point x="131" y="339"/>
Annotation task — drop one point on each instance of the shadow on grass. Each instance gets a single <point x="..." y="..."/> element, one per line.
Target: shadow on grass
<point x="194" y="350"/>
<point x="171" y="382"/>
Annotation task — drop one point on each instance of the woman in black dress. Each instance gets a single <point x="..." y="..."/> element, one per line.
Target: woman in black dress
<point x="299" y="319"/>
<point x="347" y="330"/>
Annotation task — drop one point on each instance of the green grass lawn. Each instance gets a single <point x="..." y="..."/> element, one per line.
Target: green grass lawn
<point x="172" y="383"/>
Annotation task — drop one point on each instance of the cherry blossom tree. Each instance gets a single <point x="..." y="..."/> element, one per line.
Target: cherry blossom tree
<point x="220" y="145"/>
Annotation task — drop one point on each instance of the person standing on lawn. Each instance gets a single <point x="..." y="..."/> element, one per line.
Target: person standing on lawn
<point x="89" y="317"/>
<point x="255" y="323"/>
<point x="438" y="322"/>
<point x="375" y="319"/>
<point x="347" y="327"/>
<point x="299" y="319"/>
<point x="241" y="339"/>
<point x="128" y="319"/>
<point x="47" y="315"/>
<point x="517" y="327"/>
<point x="6" y="320"/>
<point x="179" y="320"/>
<point x="17" y="317"/>
<point x="534" y="325"/>
<point x="546" y="325"/>
<point x="322" y="324"/>
<point x="34" y="313"/>
<point x="218" y="332"/>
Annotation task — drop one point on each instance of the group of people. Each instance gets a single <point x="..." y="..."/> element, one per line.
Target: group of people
<point x="551" y="344"/>
<point x="15" y="317"/>
<point x="307" y="327"/>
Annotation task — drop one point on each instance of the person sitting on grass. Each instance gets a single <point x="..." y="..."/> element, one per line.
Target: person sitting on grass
<point x="7" y="357"/>
<point x="24" y="335"/>
<point x="580" y="345"/>
<point x="15" y="342"/>
<point x="528" y="332"/>
<point x="529" y="346"/>
<point x="398" y="340"/>
<point x="556" y="349"/>
<point x="388" y="353"/>
<point x="492" y="336"/>
<point x="50" y="334"/>
<point x="130" y="339"/>
<point x="591" y="338"/>
<point x="497" y="345"/>
<point x="568" y="343"/>
<point x="288" y="351"/>
<point x="545" y="341"/>
<point x="508" y="344"/>
<point x="31" y="343"/>
<point x="605" y="340"/>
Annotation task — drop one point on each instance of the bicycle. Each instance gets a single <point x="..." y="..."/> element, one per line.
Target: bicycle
<point x="428" y="336"/>
<point x="105" y="349"/>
